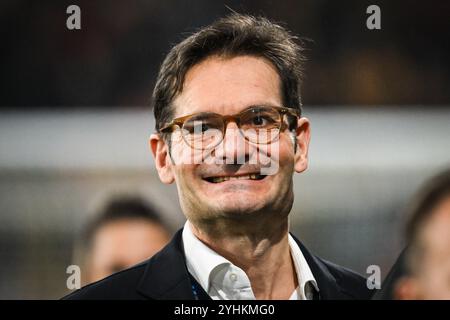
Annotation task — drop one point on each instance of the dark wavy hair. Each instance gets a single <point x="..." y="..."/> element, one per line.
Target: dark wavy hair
<point x="233" y="35"/>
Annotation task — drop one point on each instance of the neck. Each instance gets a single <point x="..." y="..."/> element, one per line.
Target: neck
<point x="260" y="248"/>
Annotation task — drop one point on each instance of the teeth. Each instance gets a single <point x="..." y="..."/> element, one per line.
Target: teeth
<point x="253" y="176"/>
<point x="220" y="179"/>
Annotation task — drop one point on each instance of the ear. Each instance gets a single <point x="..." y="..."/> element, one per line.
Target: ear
<point x="163" y="162"/>
<point x="302" y="134"/>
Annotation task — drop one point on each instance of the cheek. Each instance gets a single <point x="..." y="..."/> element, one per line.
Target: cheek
<point x="184" y="174"/>
<point x="284" y="153"/>
<point x="187" y="182"/>
<point x="431" y="279"/>
<point x="101" y="258"/>
<point x="182" y="154"/>
<point x="277" y="157"/>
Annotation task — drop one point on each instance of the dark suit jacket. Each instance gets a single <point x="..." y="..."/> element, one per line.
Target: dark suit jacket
<point x="165" y="276"/>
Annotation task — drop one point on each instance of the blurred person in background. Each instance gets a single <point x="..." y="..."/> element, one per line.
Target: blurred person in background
<point x="126" y="231"/>
<point x="428" y="257"/>
<point x="422" y="271"/>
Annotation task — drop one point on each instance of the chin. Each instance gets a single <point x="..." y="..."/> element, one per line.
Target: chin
<point x="240" y="207"/>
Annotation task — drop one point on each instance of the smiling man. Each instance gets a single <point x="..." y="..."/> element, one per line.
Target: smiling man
<point x="230" y="134"/>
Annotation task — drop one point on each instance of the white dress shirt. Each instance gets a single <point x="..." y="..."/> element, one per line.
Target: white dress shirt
<point x="222" y="280"/>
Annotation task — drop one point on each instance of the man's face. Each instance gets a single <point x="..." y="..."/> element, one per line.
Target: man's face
<point x="123" y="243"/>
<point x="227" y="86"/>
<point x="432" y="279"/>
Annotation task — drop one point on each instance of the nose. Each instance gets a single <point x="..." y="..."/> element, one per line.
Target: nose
<point x="233" y="148"/>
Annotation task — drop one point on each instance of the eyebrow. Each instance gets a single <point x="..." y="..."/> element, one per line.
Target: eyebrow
<point x="249" y="106"/>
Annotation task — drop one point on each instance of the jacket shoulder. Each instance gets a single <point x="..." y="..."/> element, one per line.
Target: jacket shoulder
<point x="121" y="285"/>
<point x="336" y="282"/>
<point x="351" y="284"/>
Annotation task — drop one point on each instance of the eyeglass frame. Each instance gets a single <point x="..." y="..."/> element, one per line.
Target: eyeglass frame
<point x="179" y="122"/>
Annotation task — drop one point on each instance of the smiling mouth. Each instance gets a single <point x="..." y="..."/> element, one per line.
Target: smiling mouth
<point x="253" y="176"/>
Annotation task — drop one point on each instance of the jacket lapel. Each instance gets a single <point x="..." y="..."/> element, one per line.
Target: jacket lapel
<point x="328" y="286"/>
<point x="166" y="275"/>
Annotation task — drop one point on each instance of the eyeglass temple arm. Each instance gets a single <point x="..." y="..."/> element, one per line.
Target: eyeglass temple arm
<point x="171" y="124"/>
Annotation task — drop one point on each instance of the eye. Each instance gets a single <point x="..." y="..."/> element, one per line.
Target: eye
<point x="259" y="120"/>
<point x="202" y="127"/>
<point x="198" y="126"/>
<point x="262" y="119"/>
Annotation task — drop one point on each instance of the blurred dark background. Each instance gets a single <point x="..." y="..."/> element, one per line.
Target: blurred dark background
<point x="112" y="61"/>
<point x="75" y="118"/>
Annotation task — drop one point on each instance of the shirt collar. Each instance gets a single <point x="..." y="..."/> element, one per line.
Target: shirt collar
<point x="304" y="273"/>
<point x="201" y="261"/>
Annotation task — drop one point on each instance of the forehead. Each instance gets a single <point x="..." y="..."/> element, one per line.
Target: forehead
<point x="114" y="235"/>
<point x="228" y="85"/>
